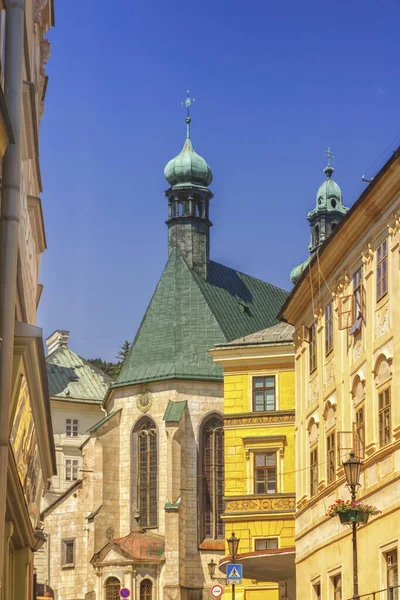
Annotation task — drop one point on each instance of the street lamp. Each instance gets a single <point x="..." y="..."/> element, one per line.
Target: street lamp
<point x="233" y="545"/>
<point x="352" y="470"/>
<point x="39" y="539"/>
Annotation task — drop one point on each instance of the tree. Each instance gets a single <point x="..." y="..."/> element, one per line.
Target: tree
<point x="106" y="367"/>
<point x="121" y="356"/>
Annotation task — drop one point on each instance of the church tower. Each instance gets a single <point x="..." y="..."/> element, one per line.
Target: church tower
<point x="188" y="203"/>
<point x="328" y="212"/>
<point x="152" y="497"/>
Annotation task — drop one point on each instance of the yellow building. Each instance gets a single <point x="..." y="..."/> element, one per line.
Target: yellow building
<point x="260" y="459"/>
<point x="346" y="312"/>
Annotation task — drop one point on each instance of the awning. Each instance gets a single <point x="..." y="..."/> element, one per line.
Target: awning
<point x="265" y="565"/>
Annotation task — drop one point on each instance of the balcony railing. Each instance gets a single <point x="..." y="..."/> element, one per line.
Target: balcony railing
<point x="390" y="593"/>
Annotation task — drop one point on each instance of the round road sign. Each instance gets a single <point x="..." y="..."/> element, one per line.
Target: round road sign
<point x="216" y="591"/>
<point x="124" y="593"/>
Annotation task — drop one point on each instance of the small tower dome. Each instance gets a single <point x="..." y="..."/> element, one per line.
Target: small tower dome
<point x="188" y="168"/>
<point x="327" y="214"/>
<point x="329" y="195"/>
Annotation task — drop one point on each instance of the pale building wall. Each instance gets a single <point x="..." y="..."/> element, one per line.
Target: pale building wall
<point x="327" y="400"/>
<point x="68" y="447"/>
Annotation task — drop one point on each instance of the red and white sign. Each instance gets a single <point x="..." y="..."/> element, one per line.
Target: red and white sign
<point x="216" y="591"/>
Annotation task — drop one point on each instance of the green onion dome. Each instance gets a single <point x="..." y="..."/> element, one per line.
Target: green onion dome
<point x="188" y="167"/>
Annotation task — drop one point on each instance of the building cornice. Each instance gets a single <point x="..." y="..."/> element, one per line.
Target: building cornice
<point x="277" y="354"/>
<point x="370" y="205"/>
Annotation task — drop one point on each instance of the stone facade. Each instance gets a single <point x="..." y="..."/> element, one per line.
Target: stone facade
<point x="107" y="483"/>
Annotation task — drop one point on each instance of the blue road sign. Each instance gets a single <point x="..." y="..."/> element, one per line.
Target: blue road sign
<point x="234" y="573"/>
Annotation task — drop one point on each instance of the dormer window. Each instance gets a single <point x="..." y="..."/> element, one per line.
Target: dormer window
<point x="333" y="203"/>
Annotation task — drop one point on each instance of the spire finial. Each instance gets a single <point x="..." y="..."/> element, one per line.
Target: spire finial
<point x="329" y="169"/>
<point x="188" y="103"/>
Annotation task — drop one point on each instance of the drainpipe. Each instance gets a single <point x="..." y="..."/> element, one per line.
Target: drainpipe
<point x="9" y="231"/>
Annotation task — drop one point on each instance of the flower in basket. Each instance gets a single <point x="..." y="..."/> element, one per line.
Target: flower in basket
<point x="349" y="506"/>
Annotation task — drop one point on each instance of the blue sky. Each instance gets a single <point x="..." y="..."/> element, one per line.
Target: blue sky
<point x="274" y="83"/>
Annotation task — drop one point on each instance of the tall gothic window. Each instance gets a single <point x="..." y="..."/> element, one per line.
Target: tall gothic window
<point x="113" y="587"/>
<point x="147" y="473"/>
<point x="212" y="462"/>
<point x="146" y="590"/>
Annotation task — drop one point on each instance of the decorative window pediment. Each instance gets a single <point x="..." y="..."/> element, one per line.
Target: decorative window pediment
<point x="383" y="369"/>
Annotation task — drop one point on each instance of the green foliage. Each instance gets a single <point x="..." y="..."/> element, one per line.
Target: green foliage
<point x="121" y="356"/>
<point x="106" y="367"/>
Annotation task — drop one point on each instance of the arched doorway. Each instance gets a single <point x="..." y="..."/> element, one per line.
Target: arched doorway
<point x="113" y="587"/>
<point x="146" y="590"/>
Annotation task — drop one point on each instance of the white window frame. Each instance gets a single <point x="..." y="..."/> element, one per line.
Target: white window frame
<point x="72" y="426"/>
<point x="264" y="374"/>
<point x="71" y="463"/>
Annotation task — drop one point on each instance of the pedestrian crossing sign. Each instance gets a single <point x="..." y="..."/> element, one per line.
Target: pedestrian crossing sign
<point x="234" y="573"/>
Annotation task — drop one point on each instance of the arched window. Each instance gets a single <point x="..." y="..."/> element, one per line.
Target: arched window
<point x="212" y="464"/>
<point x="146" y="590"/>
<point x="113" y="587"/>
<point x="147" y="473"/>
<point x="316" y="235"/>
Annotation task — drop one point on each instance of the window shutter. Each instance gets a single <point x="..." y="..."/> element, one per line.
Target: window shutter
<point x="345" y="312"/>
<point x="345" y="444"/>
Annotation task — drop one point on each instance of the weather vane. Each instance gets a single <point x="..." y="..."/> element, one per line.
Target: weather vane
<point x="188" y="103"/>
<point x="329" y="155"/>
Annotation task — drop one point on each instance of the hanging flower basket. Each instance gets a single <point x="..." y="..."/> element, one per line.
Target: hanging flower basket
<point x="354" y="516"/>
<point x="352" y="511"/>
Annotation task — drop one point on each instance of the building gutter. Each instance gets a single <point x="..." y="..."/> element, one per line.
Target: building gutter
<point x="9" y="232"/>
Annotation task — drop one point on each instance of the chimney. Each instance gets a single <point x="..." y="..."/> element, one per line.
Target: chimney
<point x="56" y="340"/>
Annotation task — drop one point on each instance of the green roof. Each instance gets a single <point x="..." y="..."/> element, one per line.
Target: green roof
<point x="174" y="410"/>
<point x="188" y="315"/>
<point x="104" y="420"/>
<point x="71" y="377"/>
<point x="282" y="333"/>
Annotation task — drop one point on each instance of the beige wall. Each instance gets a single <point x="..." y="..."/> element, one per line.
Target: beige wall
<point x="352" y="375"/>
<point x="66" y="446"/>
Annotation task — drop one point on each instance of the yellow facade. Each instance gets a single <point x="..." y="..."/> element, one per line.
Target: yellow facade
<point x="347" y="395"/>
<point x="260" y="520"/>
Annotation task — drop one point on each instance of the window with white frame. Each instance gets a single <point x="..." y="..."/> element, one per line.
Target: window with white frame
<point x="264" y="393"/>
<point x="72" y="427"/>
<point x="265" y="473"/>
<point x="71" y="469"/>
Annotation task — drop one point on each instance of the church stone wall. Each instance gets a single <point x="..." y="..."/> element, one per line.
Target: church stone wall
<point x="186" y="565"/>
<point x="107" y="468"/>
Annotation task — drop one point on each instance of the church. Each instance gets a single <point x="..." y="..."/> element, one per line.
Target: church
<point x="145" y="511"/>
